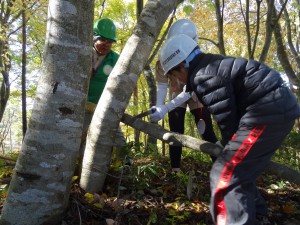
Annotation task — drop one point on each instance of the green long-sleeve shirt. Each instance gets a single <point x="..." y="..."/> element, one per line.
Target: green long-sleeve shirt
<point x="99" y="77"/>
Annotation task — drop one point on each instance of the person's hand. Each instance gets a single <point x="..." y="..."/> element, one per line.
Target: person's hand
<point x="159" y="112"/>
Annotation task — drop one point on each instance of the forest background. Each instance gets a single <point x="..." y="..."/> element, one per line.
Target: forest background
<point x="266" y="31"/>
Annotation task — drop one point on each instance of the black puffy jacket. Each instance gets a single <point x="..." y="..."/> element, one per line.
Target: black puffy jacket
<point x="240" y="92"/>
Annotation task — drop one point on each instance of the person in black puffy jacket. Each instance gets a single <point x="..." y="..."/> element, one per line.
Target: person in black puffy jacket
<point x="254" y="110"/>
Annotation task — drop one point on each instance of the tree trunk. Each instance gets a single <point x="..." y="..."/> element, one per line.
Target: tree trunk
<point x="117" y="92"/>
<point x="5" y="86"/>
<point x="149" y="76"/>
<point x="282" y="53"/>
<point x="197" y="144"/>
<point x="151" y="142"/>
<point x="40" y="188"/>
<point x="220" y="21"/>
<point x="139" y="9"/>
<point x="269" y="32"/>
<point x="291" y="37"/>
<point x="4" y="93"/>
<point x="9" y="13"/>
<point x="24" y="57"/>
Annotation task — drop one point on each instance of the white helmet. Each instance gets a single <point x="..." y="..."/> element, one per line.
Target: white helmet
<point x="175" y="50"/>
<point x="184" y="26"/>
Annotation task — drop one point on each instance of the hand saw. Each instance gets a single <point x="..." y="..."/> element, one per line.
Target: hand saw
<point x="146" y="113"/>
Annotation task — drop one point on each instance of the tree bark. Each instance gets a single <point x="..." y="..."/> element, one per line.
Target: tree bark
<point x="9" y="13"/>
<point x="151" y="142"/>
<point x="171" y="138"/>
<point x="5" y="86"/>
<point x="40" y="188"/>
<point x="269" y="32"/>
<point x="220" y="21"/>
<point x="117" y="93"/>
<point x="4" y="93"/>
<point x="24" y="59"/>
<point x="282" y="53"/>
<point x="199" y="145"/>
<point x="291" y="37"/>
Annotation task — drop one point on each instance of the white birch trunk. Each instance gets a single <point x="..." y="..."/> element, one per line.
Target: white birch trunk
<point x="40" y="188"/>
<point x="117" y="92"/>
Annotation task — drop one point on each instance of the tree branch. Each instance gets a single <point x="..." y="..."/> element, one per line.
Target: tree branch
<point x="196" y="144"/>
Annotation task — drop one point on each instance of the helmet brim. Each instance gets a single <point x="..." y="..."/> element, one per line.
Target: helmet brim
<point x="101" y="36"/>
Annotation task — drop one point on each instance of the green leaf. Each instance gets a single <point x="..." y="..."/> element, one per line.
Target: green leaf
<point x="152" y="218"/>
<point x="188" y="9"/>
<point x="98" y="205"/>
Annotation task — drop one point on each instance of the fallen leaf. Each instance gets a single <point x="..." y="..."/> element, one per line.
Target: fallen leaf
<point x="288" y="209"/>
<point x="98" y="205"/>
<point x="110" y="221"/>
<point x="89" y="197"/>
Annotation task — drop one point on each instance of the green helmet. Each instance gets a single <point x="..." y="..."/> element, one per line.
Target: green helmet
<point x="105" y="28"/>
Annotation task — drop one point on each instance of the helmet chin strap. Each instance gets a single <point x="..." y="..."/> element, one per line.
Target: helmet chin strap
<point x="191" y="57"/>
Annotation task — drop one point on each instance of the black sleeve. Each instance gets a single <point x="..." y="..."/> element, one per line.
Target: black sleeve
<point x="217" y="93"/>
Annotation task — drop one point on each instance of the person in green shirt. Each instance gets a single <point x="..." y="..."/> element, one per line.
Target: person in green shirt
<point x="103" y="61"/>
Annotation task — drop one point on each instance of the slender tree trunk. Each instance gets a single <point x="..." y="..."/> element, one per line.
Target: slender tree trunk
<point x="136" y="132"/>
<point x="149" y="76"/>
<point x="40" y="188"/>
<point x="139" y="8"/>
<point x="4" y="93"/>
<point x="292" y="37"/>
<point x="220" y="20"/>
<point x="247" y="26"/>
<point x="258" y="5"/>
<point x="24" y="37"/>
<point x="5" y="86"/>
<point x="269" y="32"/>
<point x="117" y="92"/>
<point x="8" y="12"/>
<point x="151" y="142"/>
<point x="282" y="53"/>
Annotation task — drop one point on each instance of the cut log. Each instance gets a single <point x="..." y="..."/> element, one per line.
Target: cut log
<point x="177" y="139"/>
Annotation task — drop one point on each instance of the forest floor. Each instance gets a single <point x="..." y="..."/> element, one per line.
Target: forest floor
<point x="148" y="193"/>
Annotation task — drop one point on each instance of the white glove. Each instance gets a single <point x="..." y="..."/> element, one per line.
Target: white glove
<point x="159" y="113"/>
<point x="161" y="93"/>
<point x="178" y="100"/>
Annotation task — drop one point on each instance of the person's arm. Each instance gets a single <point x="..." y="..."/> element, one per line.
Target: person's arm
<point x="161" y="110"/>
<point x="162" y="84"/>
<point x="178" y="100"/>
<point x="162" y="89"/>
<point x="223" y="106"/>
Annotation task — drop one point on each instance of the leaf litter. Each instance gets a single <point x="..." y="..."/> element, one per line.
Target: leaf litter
<point x="150" y="194"/>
